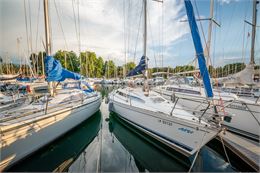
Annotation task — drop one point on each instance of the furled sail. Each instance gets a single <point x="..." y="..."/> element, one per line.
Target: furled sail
<point x="198" y="47"/>
<point x="55" y="72"/>
<point x="139" y="69"/>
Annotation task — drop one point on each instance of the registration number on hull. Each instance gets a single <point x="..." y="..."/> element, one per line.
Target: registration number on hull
<point x="165" y="122"/>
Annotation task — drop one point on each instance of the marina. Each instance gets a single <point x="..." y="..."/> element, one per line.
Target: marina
<point x="105" y="143"/>
<point x="97" y="105"/>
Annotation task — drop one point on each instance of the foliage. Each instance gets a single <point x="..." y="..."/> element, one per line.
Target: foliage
<point x="110" y="69"/>
<point x="69" y="60"/>
<point x="93" y="66"/>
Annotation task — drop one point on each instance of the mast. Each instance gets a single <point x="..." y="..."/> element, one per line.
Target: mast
<point x="199" y="50"/>
<point x="145" y="37"/>
<point x="18" y="53"/>
<point x="43" y="72"/>
<point x="207" y="50"/>
<point x="254" y="19"/>
<point x="48" y="41"/>
<point x="47" y="27"/>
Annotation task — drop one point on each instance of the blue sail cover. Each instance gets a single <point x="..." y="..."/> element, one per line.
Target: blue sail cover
<point x="198" y="47"/>
<point x="55" y="72"/>
<point x="139" y="68"/>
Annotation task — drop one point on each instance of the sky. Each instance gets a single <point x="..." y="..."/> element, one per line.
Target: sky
<point x="114" y="30"/>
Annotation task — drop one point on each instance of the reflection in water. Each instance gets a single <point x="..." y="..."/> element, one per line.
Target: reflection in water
<point x="62" y="152"/>
<point x="147" y="157"/>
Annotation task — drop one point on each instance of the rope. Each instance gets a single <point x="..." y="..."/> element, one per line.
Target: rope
<point x="193" y="162"/>
<point x="225" y="150"/>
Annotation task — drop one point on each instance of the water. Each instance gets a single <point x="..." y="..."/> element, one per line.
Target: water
<point x="105" y="143"/>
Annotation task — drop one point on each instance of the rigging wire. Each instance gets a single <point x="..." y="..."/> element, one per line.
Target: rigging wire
<point x="37" y="33"/>
<point x="152" y="38"/>
<point x="60" y="24"/>
<point x="37" y="26"/>
<point x="129" y="28"/>
<point x="26" y="26"/>
<point x="75" y="21"/>
<point x="124" y="29"/>
<point x="138" y="31"/>
<point x="27" y="38"/>
<point x="63" y="34"/>
<point x="204" y="38"/>
<point x="77" y="29"/>
<point x="162" y="45"/>
<point x="30" y="24"/>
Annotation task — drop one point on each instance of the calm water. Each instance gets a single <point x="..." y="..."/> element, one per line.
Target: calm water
<point x="106" y="143"/>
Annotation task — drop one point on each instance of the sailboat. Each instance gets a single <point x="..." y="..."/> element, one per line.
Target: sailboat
<point x="242" y="114"/>
<point x="63" y="152"/>
<point x="243" y="83"/>
<point x="163" y="120"/>
<point x="26" y="130"/>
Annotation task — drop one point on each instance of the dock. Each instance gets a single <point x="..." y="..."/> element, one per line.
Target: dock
<point x="247" y="150"/>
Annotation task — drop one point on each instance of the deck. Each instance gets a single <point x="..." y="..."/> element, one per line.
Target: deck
<point x="246" y="149"/>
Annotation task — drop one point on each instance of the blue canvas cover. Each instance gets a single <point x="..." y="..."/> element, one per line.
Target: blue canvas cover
<point x="87" y="87"/>
<point x="198" y="47"/>
<point x="55" y="72"/>
<point x="139" y="68"/>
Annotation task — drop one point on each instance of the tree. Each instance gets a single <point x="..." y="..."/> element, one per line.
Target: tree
<point x="120" y="71"/>
<point x="110" y="69"/>
<point x="129" y="66"/>
<point x="72" y="61"/>
<point x="99" y="67"/>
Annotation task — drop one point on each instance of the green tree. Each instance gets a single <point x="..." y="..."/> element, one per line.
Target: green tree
<point x="110" y="69"/>
<point x="99" y="67"/>
<point x="129" y="66"/>
<point x="88" y="62"/>
<point x="72" y="61"/>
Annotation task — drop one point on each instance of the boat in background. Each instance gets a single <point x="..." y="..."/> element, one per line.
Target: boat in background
<point x="245" y="111"/>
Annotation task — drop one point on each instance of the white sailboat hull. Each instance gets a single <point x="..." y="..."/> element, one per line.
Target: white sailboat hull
<point x="24" y="138"/>
<point x="180" y="135"/>
<point x="245" y="117"/>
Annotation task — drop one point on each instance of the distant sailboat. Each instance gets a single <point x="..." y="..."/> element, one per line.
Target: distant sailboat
<point x="242" y="83"/>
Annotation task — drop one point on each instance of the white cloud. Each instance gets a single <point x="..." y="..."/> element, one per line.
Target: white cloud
<point x="222" y="2"/>
<point x="102" y="28"/>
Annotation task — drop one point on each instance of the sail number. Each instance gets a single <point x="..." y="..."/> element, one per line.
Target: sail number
<point x="164" y="122"/>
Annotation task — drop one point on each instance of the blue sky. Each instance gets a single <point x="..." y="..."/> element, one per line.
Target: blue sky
<point x="111" y="29"/>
